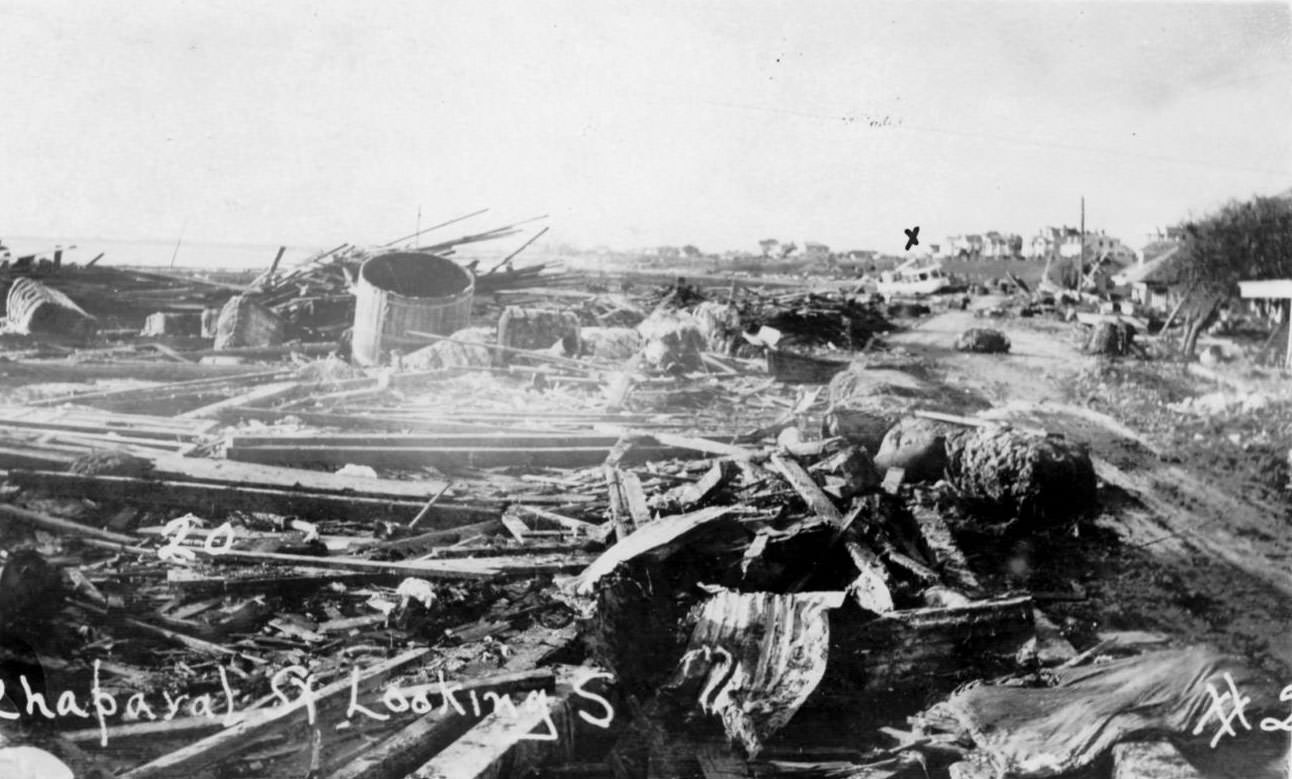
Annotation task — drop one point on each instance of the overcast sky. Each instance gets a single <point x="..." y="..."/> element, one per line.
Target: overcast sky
<point x="635" y="124"/>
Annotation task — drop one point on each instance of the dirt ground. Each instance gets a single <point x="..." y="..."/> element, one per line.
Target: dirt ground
<point x="1183" y="545"/>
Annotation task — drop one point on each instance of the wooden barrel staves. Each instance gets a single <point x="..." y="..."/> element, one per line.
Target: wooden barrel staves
<point x="35" y="309"/>
<point x="406" y="291"/>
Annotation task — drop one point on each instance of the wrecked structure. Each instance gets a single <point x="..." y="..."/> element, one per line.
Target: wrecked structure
<point x="395" y="518"/>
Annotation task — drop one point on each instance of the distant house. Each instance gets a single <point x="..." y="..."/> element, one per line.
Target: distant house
<point x="1155" y="281"/>
<point x="816" y="251"/>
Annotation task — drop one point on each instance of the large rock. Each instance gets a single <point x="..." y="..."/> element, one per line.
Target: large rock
<point x="981" y="339"/>
<point x="1019" y="476"/>
<point x="918" y="446"/>
<point x="865" y="420"/>
<point x="472" y="347"/>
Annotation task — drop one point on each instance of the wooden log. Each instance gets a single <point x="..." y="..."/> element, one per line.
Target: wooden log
<point x="414" y="744"/>
<point x="230" y="741"/>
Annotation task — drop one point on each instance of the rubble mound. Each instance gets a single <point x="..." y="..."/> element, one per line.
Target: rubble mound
<point x="448" y="354"/>
<point x="673" y="341"/>
<point x="984" y="340"/>
<point x="610" y="343"/>
<point x="719" y="324"/>
<point x="1020" y="476"/>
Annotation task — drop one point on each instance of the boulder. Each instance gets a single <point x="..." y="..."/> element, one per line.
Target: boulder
<point x="984" y="340"/>
<point x="918" y="446"/>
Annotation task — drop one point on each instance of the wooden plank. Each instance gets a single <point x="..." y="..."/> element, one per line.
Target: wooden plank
<point x="472" y="568"/>
<point x="281" y="477"/>
<point x="445" y="456"/>
<point x="414" y="744"/>
<point x="213" y="500"/>
<point x="230" y="741"/>
<point x="472" y="440"/>
<point x="262" y="394"/>
<point x="240" y="377"/>
<point x="392" y="423"/>
<point x="485" y="749"/>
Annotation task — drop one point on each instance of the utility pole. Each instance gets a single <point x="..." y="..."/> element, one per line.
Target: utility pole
<point x="1082" y="261"/>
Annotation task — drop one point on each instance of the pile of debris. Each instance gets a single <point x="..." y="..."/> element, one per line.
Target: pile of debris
<point x="544" y="545"/>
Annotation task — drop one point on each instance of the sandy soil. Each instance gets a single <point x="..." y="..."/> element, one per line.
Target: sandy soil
<point x="1177" y="549"/>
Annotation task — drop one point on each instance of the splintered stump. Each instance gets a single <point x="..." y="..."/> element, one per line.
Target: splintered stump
<point x="1019" y="476"/>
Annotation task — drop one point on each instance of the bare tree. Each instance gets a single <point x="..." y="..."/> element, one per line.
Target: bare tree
<point x="1243" y="240"/>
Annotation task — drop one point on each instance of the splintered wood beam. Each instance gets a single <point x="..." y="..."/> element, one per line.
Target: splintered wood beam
<point x="713" y="479"/>
<point x="808" y="489"/>
<point x="951" y="561"/>
<point x="222" y="745"/>
<point x="411" y="746"/>
<point x="628" y="507"/>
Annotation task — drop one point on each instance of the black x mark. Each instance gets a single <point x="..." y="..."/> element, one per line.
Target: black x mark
<point x="912" y="237"/>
